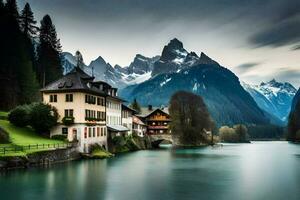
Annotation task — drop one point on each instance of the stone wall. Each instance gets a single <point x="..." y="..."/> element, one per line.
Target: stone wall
<point x="39" y="158"/>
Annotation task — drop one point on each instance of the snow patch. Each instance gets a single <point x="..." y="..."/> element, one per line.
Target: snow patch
<point x="164" y="82"/>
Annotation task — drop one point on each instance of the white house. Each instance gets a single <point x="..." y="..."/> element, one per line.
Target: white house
<point x="85" y="108"/>
<point x="127" y="118"/>
<point x="139" y="127"/>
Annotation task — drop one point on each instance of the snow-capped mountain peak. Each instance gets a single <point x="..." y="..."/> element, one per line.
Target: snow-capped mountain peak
<point x="273" y="97"/>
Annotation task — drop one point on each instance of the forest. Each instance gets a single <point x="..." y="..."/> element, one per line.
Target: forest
<point x="30" y="54"/>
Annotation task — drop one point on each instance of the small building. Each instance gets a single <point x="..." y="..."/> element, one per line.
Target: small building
<point x="127" y="118"/>
<point x="114" y="114"/>
<point x="84" y="106"/>
<point x="139" y="127"/>
<point x="156" y="119"/>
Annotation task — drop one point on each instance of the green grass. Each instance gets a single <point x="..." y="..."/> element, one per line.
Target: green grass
<point x="101" y="154"/>
<point x="24" y="136"/>
<point x="3" y="114"/>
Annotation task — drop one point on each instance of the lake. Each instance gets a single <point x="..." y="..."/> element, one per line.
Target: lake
<point x="261" y="170"/>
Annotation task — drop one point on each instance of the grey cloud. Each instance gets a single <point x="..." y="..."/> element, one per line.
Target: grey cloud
<point x="247" y="66"/>
<point x="296" y="47"/>
<point x="289" y="75"/>
<point x="283" y="29"/>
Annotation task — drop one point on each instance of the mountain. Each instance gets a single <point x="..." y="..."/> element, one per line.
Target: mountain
<point x="177" y="69"/>
<point x="138" y="71"/>
<point x="273" y="97"/>
<point x="296" y="99"/>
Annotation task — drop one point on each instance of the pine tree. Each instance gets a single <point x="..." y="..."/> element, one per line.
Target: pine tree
<point x="17" y="80"/>
<point x="9" y="54"/>
<point x="135" y="106"/>
<point x="49" y="53"/>
<point x="12" y="8"/>
<point x="27" y="22"/>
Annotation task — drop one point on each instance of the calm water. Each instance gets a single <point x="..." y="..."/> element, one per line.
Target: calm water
<point x="261" y="170"/>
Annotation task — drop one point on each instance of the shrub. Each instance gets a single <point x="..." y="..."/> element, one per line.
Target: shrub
<point x="242" y="132"/>
<point x="20" y="116"/>
<point x="59" y="137"/>
<point x="43" y="117"/>
<point x="119" y="140"/>
<point x="228" y="134"/>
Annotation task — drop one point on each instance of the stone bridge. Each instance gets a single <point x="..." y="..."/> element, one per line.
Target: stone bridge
<point x="157" y="139"/>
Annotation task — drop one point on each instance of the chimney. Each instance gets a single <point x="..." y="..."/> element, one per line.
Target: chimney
<point x="149" y="107"/>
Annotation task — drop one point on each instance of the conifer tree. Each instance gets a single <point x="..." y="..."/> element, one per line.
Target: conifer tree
<point x="49" y="50"/>
<point x="27" y="22"/>
<point x="17" y="79"/>
<point x="135" y="106"/>
<point x="9" y="54"/>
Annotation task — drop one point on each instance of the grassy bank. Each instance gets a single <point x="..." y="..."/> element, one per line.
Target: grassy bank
<point x="24" y="137"/>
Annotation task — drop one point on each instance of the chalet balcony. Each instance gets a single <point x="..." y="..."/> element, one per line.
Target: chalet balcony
<point x="158" y="127"/>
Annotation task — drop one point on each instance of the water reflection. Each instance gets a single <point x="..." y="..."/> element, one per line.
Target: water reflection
<point x="262" y="170"/>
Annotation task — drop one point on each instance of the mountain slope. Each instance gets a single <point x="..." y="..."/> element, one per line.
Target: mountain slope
<point x="227" y="101"/>
<point x="296" y="99"/>
<point x="273" y="97"/>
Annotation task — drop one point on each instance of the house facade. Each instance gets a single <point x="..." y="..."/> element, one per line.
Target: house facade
<point x="85" y="108"/>
<point x="127" y="118"/>
<point x="156" y="119"/>
<point x="138" y="126"/>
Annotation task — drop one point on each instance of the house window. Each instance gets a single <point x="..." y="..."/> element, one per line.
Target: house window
<point x="53" y="98"/>
<point x="94" y="134"/>
<point x="90" y="132"/>
<point x="90" y="99"/>
<point x="104" y="131"/>
<point x="69" y="113"/>
<point x="64" y="131"/>
<point x="85" y="132"/>
<point x="98" y="131"/>
<point x="69" y="97"/>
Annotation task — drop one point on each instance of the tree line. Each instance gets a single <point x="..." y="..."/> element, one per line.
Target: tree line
<point x="30" y="55"/>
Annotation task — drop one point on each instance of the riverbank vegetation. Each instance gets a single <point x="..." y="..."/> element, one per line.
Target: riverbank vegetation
<point x="23" y="136"/>
<point x="191" y="120"/>
<point x="39" y="116"/>
<point x="122" y="144"/>
<point x="236" y="134"/>
<point x="98" y="152"/>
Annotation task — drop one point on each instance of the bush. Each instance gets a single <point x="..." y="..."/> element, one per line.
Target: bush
<point x="4" y="138"/>
<point x="239" y="133"/>
<point x="43" y="118"/>
<point x="119" y="141"/>
<point x="20" y="116"/>
<point x="227" y="134"/>
<point x="59" y="137"/>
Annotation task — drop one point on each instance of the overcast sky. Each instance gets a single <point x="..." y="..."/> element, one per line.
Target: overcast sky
<point x="257" y="39"/>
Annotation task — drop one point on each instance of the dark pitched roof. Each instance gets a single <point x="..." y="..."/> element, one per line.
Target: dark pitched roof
<point x="78" y="80"/>
<point x="145" y="112"/>
<point x="124" y="107"/>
